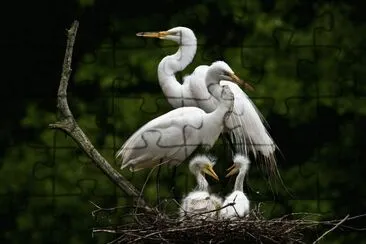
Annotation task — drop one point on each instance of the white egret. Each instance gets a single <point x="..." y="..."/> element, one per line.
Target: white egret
<point x="172" y="137"/>
<point x="200" y="203"/>
<point x="237" y="197"/>
<point x="178" y="95"/>
<point x="245" y="124"/>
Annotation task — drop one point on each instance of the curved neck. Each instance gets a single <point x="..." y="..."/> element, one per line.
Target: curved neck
<point x="223" y="109"/>
<point x="202" y="184"/>
<point x="167" y="68"/>
<point x="171" y="64"/>
<point x="215" y="90"/>
<point x="212" y="82"/>
<point x="239" y="182"/>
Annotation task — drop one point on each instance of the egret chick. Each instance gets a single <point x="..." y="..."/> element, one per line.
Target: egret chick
<point x="237" y="197"/>
<point x="200" y="200"/>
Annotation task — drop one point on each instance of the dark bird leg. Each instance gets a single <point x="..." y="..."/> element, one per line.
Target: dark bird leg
<point x="173" y="180"/>
<point x="158" y="186"/>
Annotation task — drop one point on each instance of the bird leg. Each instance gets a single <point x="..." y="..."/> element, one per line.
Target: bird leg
<point x="173" y="180"/>
<point x="157" y="185"/>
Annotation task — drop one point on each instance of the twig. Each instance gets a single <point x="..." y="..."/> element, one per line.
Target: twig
<point x="158" y="186"/>
<point x="141" y="192"/>
<point x="330" y="230"/>
<point x="209" y="211"/>
<point x="68" y="124"/>
<point x="100" y="209"/>
<point x="105" y="230"/>
<point x="351" y="218"/>
<point x="254" y="228"/>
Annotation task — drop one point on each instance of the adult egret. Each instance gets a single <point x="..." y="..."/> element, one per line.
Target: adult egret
<point x="237" y="197"/>
<point x="245" y="124"/>
<point x="200" y="200"/>
<point x="172" y="137"/>
<point x="178" y="95"/>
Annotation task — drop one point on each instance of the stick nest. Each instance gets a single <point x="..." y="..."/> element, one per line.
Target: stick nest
<point x="254" y="228"/>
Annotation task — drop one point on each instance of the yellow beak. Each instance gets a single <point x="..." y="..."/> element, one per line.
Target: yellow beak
<point x="209" y="170"/>
<point x="236" y="79"/>
<point x="241" y="82"/>
<point x="159" y="34"/>
<point x="233" y="170"/>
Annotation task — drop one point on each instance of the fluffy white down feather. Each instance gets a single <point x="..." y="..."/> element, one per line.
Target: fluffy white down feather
<point x="240" y="207"/>
<point x="197" y="203"/>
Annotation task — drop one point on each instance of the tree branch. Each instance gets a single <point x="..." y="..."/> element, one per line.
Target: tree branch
<point x="330" y="230"/>
<point x="68" y="124"/>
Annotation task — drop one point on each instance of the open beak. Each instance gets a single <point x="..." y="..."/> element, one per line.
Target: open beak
<point x="209" y="170"/>
<point x="233" y="170"/>
<point x="246" y="85"/>
<point x="159" y="34"/>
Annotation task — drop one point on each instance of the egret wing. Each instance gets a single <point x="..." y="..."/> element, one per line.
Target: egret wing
<point x="247" y="124"/>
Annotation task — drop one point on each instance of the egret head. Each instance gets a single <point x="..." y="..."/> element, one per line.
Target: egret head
<point x="241" y="163"/>
<point x="180" y="35"/>
<point x="203" y="164"/>
<point x="220" y="70"/>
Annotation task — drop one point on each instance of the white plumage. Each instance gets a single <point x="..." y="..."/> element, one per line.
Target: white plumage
<point x="246" y="124"/>
<point x="172" y="137"/>
<point x="199" y="202"/>
<point x="237" y="197"/>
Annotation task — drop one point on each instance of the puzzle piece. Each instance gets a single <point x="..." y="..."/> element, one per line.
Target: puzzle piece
<point x="127" y="41"/>
<point x="358" y="62"/>
<point x="47" y="176"/>
<point x="196" y="14"/>
<point x="87" y="187"/>
<point x="43" y="173"/>
<point x="308" y="71"/>
<point x="176" y="141"/>
<point x="324" y="31"/>
<point x="134" y="106"/>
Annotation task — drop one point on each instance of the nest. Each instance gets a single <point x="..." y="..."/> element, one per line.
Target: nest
<point x="254" y="228"/>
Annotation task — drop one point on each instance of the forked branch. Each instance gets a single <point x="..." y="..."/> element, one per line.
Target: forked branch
<point x="68" y="124"/>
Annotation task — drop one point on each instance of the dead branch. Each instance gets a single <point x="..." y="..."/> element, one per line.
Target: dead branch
<point x="331" y="229"/>
<point x="68" y="124"/>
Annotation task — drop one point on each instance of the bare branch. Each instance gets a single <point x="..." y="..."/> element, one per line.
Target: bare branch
<point x="330" y="230"/>
<point x="68" y="124"/>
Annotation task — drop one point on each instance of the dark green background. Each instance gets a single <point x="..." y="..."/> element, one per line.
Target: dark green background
<point x="306" y="60"/>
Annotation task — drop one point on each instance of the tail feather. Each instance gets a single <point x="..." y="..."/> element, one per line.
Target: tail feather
<point x="249" y="133"/>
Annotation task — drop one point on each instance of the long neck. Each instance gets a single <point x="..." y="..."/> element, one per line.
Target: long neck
<point x="223" y="109"/>
<point x="239" y="182"/>
<point x="170" y="65"/>
<point x="213" y="85"/>
<point x="202" y="184"/>
<point x="214" y="89"/>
